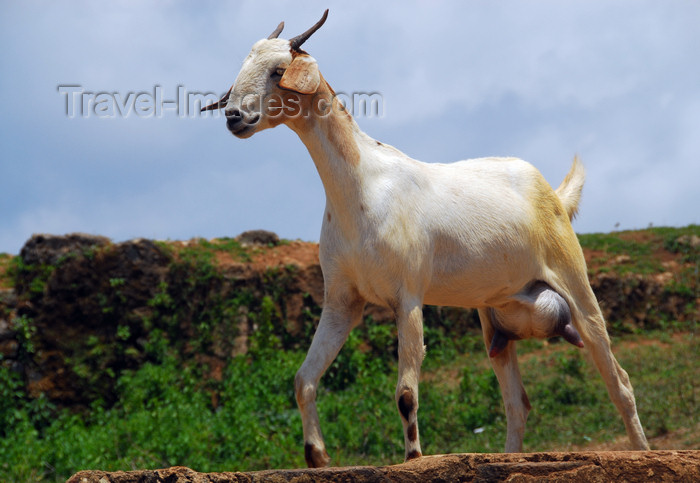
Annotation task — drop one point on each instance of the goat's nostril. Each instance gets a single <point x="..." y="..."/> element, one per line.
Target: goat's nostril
<point x="233" y="114"/>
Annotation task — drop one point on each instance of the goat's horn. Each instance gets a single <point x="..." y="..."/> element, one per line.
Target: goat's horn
<point x="276" y="33"/>
<point x="218" y="104"/>
<point x="300" y="39"/>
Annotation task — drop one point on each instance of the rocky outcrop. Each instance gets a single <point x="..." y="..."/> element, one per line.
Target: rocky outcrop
<point x="623" y="466"/>
<point x="636" y="301"/>
<point x="80" y="292"/>
<point x="84" y="309"/>
<point x="258" y="237"/>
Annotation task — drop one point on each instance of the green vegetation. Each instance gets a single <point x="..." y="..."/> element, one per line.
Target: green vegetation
<point x="207" y="249"/>
<point x="5" y="274"/>
<point x="638" y="251"/>
<point x="159" y="399"/>
<point x="168" y="414"/>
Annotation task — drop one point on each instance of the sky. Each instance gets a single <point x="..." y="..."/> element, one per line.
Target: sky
<point x="91" y="139"/>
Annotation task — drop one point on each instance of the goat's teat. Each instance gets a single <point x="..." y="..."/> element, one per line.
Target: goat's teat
<point x="538" y="312"/>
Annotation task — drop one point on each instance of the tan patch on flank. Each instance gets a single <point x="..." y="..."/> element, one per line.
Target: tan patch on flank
<point x="551" y="229"/>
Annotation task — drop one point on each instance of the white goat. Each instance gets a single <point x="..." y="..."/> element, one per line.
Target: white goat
<point x="484" y="233"/>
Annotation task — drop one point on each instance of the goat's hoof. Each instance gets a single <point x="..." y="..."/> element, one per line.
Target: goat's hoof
<point x="413" y="455"/>
<point x="315" y="457"/>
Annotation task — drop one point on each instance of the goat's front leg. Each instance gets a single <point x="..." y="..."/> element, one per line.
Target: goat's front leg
<point x="337" y="320"/>
<point x="411" y="352"/>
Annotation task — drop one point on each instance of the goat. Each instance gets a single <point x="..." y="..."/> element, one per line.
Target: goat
<point x="485" y="233"/>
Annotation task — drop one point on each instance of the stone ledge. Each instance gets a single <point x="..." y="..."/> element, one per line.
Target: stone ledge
<point x="594" y="466"/>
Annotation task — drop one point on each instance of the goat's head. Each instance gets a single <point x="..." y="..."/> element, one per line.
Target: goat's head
<point x="272" y="84"/>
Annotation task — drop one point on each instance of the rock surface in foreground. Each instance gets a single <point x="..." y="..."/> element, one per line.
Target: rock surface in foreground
<point x="657" y="466"/>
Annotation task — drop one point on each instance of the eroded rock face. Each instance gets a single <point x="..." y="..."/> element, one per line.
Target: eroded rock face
<point x="78" y="290"/>
<point x="94" y="305"/>
<point x="619" y="466"/>
<point x="636" y="300"/>
<point x="50" y="249"/>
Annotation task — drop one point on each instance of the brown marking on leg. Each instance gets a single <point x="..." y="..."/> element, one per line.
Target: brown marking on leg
<point x="412" y="432"/>
<point x="526" y="400"/>
<point x="315" y="458"/>
<point x="406" y="404"/>
<point x="413" y="455"/>
<point x="498" y="343"/>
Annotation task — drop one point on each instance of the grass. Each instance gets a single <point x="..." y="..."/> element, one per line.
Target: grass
<point x="203" y="249"/>
<point x="640" y="251"/>
<point x="166" y="413"/>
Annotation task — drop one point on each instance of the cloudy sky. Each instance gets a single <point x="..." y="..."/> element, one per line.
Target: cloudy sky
<point x="614" y="82"/>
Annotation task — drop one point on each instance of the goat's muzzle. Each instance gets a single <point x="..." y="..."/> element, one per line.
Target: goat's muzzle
<point x="241" y="124"/>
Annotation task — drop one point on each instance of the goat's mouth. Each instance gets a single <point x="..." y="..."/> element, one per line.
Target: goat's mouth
<point x="242" y="128"/>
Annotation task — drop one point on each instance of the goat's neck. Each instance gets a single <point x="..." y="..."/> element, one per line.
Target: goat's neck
<point x="333" y="141"/>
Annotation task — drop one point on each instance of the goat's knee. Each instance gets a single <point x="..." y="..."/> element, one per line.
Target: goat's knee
<point x="304" y="390"/>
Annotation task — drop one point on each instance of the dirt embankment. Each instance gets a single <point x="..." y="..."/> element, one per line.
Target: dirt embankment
<point x="623" y="466"/>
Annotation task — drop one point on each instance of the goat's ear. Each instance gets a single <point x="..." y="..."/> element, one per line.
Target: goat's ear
<point x="302" y="75"/>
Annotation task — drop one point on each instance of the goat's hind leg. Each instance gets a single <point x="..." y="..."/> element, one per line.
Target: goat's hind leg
<point x="588" y="319"/>
<point x="333" y="329"/>
<point x="505" y="365"/>
<point x="616" y="379"/>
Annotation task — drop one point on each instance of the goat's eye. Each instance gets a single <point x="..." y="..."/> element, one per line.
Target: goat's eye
<point x="279" y="72"/>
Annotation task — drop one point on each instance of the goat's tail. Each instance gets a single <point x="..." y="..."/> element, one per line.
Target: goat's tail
<point x="569" y="191"/>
